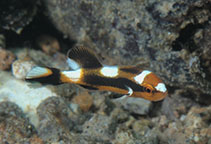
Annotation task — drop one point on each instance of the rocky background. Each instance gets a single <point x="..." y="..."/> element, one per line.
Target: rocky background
<point x="170" y="37"/>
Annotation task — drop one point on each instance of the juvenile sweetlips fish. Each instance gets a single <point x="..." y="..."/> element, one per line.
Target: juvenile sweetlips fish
<point x="89" y="73"/>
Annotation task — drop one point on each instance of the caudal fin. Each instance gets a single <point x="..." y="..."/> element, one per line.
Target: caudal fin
<point x="44" y="75"/>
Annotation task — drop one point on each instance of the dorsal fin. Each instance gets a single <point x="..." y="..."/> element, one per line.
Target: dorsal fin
<point x="80" y="56"/>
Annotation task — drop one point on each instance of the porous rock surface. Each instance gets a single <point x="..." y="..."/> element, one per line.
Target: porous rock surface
<point x="169" y="37"/>
<point x="15" y="15"/>
<point x="15" y="127"/>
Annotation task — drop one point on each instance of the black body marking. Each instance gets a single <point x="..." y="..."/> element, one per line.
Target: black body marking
<point x="132" y="70"/>
<point x="121" y="83"/>
<point x="115" y="96"/>
<point x="89" y="87"/>
<point x="84" y="57"/>
<point x="53" y="79"/>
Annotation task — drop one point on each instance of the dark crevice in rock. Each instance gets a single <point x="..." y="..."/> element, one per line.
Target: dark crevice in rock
<point x="16" y="14"/>
<point x="137" y="116"/>
<point x="172" y="89"/>
<point x="206" y="69"/>
<point x="93" y="109"/>
<point x="110" y="106"/>
<point x="186" y="35"/>
<point x="185" y="39"/>
<point x="203" y="99"/>
<point x="40" y="25"/>
<point x="132" y="46"/>
<point x="155" y="109"/>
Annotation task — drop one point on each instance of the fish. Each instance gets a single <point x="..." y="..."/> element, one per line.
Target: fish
<point x="88" y="72"/>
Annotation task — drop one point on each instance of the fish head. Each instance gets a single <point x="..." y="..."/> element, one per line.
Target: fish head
<point x="153" y="87"/>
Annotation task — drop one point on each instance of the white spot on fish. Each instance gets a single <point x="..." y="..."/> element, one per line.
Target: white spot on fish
<point x="140" y="78"/>
<point x="109" y="71"/>
<point x="161" y="87"/>
<point x="73" y="64"/>
<point x="73" y="75"/>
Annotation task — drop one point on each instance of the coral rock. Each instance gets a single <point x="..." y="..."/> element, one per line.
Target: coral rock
<point x="6" y="59"/>
<point x="84" y="100"/>
<point x="20" y="68"/>
<point x="14" y="126"/>
<point x="49" y="44"/>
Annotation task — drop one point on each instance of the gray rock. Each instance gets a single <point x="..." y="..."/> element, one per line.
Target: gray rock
<point x="98" y="128"/>
<point x="165" y="36"/>
<point x="126" y="137"/>
<point x="14" y="126"/>
<point x="135" y="105"/>
<point x="55" y="117"/>
<point x="58" y="123"/>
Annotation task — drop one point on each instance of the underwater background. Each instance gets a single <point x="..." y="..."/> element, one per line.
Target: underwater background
<point x="172" y="38"/>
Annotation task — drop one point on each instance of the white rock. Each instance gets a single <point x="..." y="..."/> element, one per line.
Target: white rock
<point x="20" y="68"/>
<point x="19" y="92"/>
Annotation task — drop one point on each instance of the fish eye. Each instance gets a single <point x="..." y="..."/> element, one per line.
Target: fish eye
<point x="148" y="90"/>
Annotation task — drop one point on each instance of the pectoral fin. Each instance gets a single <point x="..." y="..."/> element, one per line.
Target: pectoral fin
<point x="121" y="97"/>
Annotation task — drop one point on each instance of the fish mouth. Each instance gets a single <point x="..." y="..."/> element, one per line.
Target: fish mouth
<point x="159" y="96"/>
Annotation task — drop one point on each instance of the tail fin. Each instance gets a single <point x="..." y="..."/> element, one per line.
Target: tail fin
<point x="44" y="75"/>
